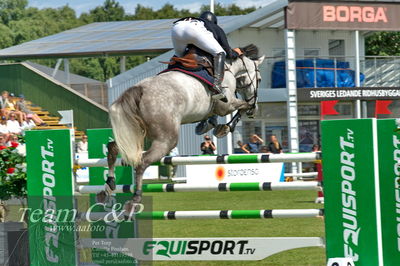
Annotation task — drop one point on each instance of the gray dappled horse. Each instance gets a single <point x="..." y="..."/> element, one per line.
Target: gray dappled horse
<point x="157" y="106"/>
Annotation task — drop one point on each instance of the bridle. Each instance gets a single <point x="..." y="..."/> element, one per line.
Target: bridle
<point x="250" y="112"/>
<point x="254" y="97"/>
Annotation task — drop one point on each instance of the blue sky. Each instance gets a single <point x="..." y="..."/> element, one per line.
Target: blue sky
<point x="129" y="5"/>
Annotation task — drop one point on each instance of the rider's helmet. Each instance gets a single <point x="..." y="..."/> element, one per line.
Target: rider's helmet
<point x="208" y="15"/>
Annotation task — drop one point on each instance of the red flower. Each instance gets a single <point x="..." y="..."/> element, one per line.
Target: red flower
<point x="14" y="144"/>
<point x="2" y="147"/>
<point x="10" y="170"/>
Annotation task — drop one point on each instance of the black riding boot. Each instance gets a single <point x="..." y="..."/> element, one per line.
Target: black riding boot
<point x="219" y="70"/>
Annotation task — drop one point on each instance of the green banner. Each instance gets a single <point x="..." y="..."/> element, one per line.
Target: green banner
<point x="50" y="190"/>
<point x="350" y="168"/>
<point x="389" y="172"/>
<point x="97" y="146"/>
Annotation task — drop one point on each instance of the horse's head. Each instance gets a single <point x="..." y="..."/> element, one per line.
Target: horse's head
<point x="248" y="76"/>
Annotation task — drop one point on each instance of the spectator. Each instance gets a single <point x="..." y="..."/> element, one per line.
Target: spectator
<point x="13" y="125"/>
<point x="254" y="144"/>
<point x="13" y="141"/>
<point x="82" y="145"/>
<point x="264" y="149"/>
<point x="207" y="147"/>
<point x="3" y="141"/>
<point x="5" y="105"/>
<point x="21" y="106"/>
<point x="28" y="124"/>
<point x="8" y="106"/>
<point x="274" y="146"/>
<point x="239" y="147"/>
<point x="316" y="148"/>
<point x="3" y="129"/>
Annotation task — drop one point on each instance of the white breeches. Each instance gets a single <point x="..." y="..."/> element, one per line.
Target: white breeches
<point x="194" y="32"/>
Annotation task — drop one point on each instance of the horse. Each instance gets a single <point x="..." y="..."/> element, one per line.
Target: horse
<point x="156" y="107"/>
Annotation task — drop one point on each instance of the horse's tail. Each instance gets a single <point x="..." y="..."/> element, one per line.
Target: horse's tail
<point x="128" y="126"/>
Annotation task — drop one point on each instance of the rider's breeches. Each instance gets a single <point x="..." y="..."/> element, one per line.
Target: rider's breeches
<point x="194" y="32"/>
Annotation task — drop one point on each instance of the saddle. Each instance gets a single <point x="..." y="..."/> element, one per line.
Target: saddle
<point x="194" y="59"/>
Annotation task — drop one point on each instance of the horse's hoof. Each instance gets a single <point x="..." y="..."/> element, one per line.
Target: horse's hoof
<point x="108" y="190"/>
<point x="110" y="182"/>
<point x="131" y="208"/>
<point x="102" y="197"/>
<point x="221" y="130"/>
<point x="137" y="196"/>
<point x="203" y="127"/>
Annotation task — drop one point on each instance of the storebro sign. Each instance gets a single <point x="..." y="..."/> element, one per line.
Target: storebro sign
<point x="359" y="93"/>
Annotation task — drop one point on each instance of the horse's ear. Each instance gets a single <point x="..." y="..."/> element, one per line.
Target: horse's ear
<point x="259" y="60"/>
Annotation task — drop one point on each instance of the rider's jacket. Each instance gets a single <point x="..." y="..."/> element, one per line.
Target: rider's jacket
<point x="218" y="33"/>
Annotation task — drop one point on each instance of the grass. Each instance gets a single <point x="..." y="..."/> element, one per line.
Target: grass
<point x="297" y="227"/>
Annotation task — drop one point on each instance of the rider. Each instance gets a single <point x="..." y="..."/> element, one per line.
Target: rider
<point x="204" y="33"/>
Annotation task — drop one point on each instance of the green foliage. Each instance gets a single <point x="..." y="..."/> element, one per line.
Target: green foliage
<point x="383" y="43"/>
<point x="6" y="38"/>
<point x="12" y="173"/>
<point x="167" y="11"/>
<point x="109" y="11"/>
<point x="230" y="10"/>
<point x="12" y="10"/>
<point x="19" y="23"/>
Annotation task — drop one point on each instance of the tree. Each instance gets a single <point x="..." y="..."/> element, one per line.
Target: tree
<point x="230" y="10"/>
<point x="109" y="11"/>
<point x="383" y="43"/>
<point x="6" y="36"/>
<point x="12" y="10"/>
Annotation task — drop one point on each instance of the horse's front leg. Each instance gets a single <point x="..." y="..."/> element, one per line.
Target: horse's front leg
<point x="236" y="118"/>
<point x="222" y="109"/>
<point x="221" y="130"/>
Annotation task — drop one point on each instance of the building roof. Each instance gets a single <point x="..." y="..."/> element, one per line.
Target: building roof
<point x="102" y="38"/>
<point x="132" y="37"/>
<point x="61" y="75"/>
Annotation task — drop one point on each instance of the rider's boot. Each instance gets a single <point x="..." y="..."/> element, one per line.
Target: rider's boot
<point x="219" y="70"/>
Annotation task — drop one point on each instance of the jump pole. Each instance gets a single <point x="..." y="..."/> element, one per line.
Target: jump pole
<point x="255" y="186"/>
<point x="214" y="214"/>
<point x="220" y="159"/>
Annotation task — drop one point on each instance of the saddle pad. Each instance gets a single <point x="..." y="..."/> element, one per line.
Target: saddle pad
<point x="200" y="74"/>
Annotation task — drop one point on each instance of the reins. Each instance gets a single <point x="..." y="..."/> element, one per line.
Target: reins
<point x="255" y="95"/>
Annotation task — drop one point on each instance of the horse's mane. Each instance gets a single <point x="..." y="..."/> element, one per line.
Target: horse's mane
<point x="250" y="51"/>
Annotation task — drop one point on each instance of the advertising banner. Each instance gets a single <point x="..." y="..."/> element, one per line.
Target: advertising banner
<point x="226" y="173"/>
<point x="348" y="94"/>
<point x="344" y="15"/>
<point x="98" y="140"/>
<point x="389" y="172"/>
<point x="351" y="189"/>
<point x="50" y="190"/>
<point x="203" y="249"/>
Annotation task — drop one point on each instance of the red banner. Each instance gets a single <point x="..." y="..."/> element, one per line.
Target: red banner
<point x="382" y="108"/>
<point x="328" y="108"/>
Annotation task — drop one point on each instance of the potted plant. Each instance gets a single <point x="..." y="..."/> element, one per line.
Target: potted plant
<point x="12" y="186"/>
